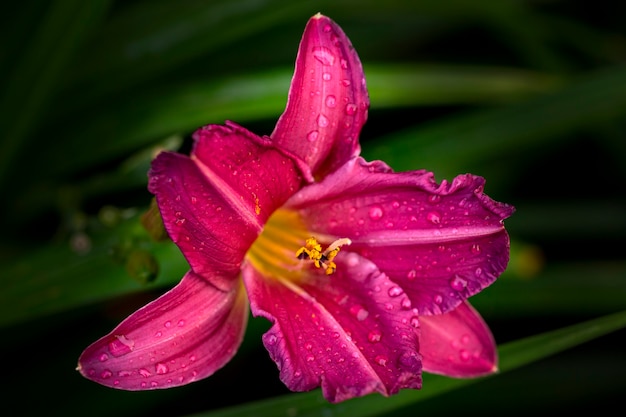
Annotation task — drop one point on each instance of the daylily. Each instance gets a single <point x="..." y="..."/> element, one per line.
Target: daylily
<point x="364" y="273"/>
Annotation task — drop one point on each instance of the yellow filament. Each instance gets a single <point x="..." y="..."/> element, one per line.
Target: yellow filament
<point x="272" y="253"/>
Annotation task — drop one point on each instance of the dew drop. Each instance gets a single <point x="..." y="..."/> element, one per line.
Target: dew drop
<point x="271" y="340"/>
<point x="406" y="303"/>
<point x="323" y="55"/>
<point x="161" y="368"/>
<point x="374" y="336"/>
<point x="346" y="83"/>
<point x="312" y="135"/>
<point x="457" y="283"/>
<point x="144" y="373"/>
<point x="350" y="109"/>
<point x="104" y="357"/>
<point x="464" y="354"/>
<point x="376" y="213"/>
<point x="331" y="101"/>
<point x="158" y="334"/>
<point x="433" y="217"/>
<point x="411" y="274"/>
<point x="327" y="76"/>
<point x="478" y="272"/>
<point x="395" y="291"/>
<point x="322" y="121"/>
<point x="434" y="198"/>
<point x="415" y="323"/>
<point x="475" y="248"/>
<point x="310" y="358"/>
<point x="124" y="373"/>
<point x="154" y="384"/>
<point x="121" y="346"/>
<point x="167" y="324"/>
<point x="181" y="323"/>
<point x="381" y="360"/>
<point x="106" y="374"/>
<point x="194" y="200"/>
<point x="359" y="312"/>
<point x="438" y="299"/>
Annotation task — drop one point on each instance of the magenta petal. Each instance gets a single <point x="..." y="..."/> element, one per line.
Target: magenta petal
<point x="328" y="101"/>
<point x="215" y="203"/>
<point x="353" y="333"/>
<point x="183" y="336"/>
<point x="458" y="344"/>
<point x="441" y="242"/>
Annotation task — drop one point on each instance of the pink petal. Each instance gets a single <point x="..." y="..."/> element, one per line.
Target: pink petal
<point x="183" y="336"/>
<point x="458" y="344"/>
<point x="441" y="242"/>
<point x="328" y="101"/>
<point x="353" y="333"/>
<point x="215" y="203"/>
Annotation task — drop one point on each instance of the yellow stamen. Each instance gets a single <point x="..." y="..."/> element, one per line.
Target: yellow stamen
<point x="272" y="253"/>
<point x="312" y="250"/>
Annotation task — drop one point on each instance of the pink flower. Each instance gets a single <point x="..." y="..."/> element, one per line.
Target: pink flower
<point x="364" y="273"/>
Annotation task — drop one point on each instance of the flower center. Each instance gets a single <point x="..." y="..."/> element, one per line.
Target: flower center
<point x="285" y="247"/>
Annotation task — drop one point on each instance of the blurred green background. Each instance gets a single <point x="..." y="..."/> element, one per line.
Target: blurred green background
<point x="529" y="94"/>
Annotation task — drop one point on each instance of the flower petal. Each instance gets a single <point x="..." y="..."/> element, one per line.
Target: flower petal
<point x="215" y="203"/>
<point x="353" y="333"/>
<point x="440" y="242"/>
<point x="328" y="101"/>
<point x="183" y="336"/>
<point x="458" y="343"/>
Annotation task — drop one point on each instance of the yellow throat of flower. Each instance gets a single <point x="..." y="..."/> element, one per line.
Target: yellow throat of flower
<point x="286" y="248"/>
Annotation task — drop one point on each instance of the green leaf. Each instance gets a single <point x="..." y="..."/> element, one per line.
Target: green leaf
<point x="182" y="108"/>
<point x="35" y="74"/>
<point x="458" y="144"/>
<point x="513" y="355"/>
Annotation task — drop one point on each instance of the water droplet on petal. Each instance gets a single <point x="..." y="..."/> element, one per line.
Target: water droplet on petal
<point x="104" y="357"/>
<point x="438" y="299"/>
<point x="411" y="274"/>
<point x="406" y="303"/>
<point x="395" y="291"/>
<point x="359" y="312"/>
<point x="475" y="248"/>
<point x="144" y="373"/>
<point x="161" y="368"/>
<point x="434" y="198"/>
<point x="350" y="109"/>
<point x="322" y="121"/>
<point x="312" y="135"/>
<point x="327" y="76"/>
<point x="106" y="374"/>
<point x="310" y="358"/>
<point x="376" y="213"/>
<point x="271" y="340"/>
<point x="381" y="360"/>
<point x="374" y="336"/>
<point x="120" y="346"/>
<point x="331" y="101"/>
<point x="323" y="55"/>
<point x="433" y="217"/>
<point x="457" y="283"/>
